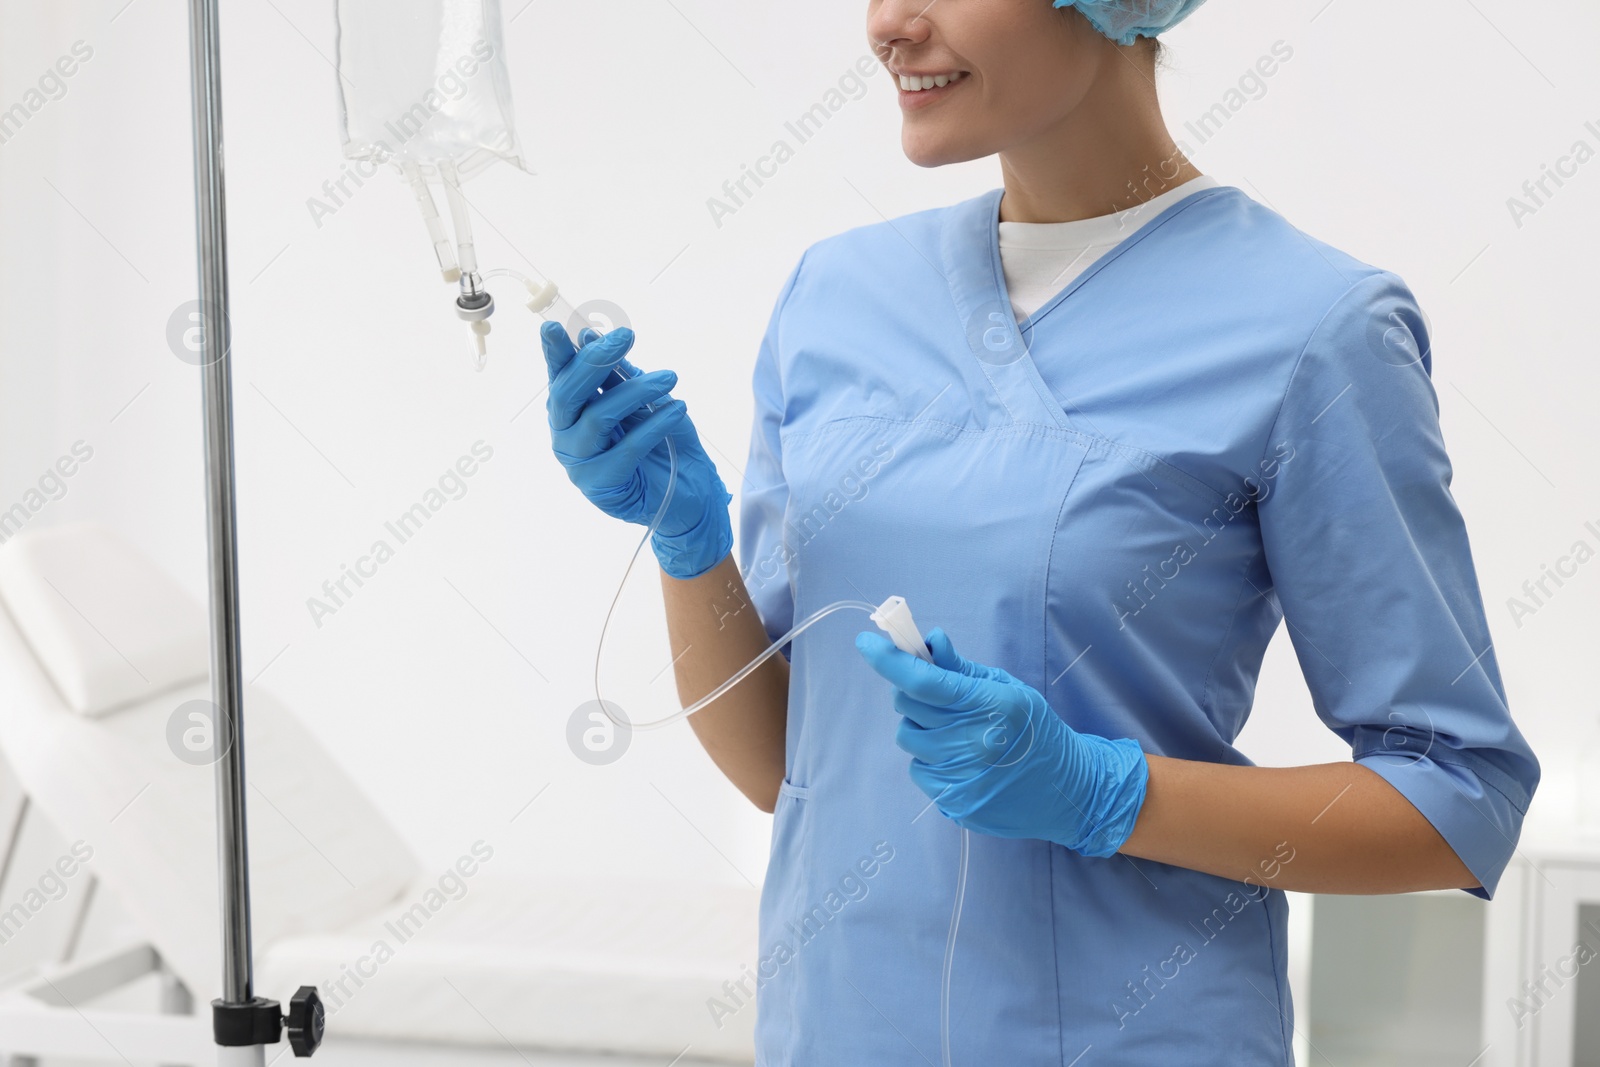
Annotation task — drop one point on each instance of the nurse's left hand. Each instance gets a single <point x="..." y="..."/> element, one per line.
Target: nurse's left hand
<point x="996" y="758"/>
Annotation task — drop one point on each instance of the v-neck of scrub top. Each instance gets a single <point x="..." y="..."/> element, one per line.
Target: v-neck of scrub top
<point x="983" y="302"/>
<point x="1038" y="259"/>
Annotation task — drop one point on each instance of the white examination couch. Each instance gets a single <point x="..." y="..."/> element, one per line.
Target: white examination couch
<point x="98" y="648"/>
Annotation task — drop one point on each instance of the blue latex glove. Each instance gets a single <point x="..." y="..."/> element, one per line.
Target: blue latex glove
<point x="614" y="450"/>
<point x="995" y="758"/>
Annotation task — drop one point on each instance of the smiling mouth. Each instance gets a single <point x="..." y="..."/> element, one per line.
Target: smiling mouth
<point x="917" y="83"/>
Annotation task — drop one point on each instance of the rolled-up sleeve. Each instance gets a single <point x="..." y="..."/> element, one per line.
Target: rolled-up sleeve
<point x="764" y="494"/>
<point x="1371" y="567"/>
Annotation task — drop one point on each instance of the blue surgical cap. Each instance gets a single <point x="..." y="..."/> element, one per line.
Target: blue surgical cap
<point x="1125" y="20"/>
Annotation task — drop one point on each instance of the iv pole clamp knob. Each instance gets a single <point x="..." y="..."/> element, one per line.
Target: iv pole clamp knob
<point x="259" y="1022"/>
<point x="304" y="1021"/>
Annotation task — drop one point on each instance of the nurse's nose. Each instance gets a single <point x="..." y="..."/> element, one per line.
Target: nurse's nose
<point x="897" y="24"/>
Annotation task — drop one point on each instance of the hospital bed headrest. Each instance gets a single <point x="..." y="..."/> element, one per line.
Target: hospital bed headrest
<point x="108" y="626"/>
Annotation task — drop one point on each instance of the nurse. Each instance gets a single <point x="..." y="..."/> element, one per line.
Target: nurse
<point x="1104" y="428"/>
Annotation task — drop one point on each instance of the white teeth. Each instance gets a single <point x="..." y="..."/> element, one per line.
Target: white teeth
<point x="913" y="83"/>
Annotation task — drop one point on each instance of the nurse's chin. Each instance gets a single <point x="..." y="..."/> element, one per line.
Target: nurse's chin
<point x="938" y="148"/>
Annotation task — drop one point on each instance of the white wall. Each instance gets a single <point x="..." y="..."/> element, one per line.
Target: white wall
<point x="1396" y="132"/>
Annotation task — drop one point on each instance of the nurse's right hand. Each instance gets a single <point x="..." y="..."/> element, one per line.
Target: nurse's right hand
<point x="614" y="449"/>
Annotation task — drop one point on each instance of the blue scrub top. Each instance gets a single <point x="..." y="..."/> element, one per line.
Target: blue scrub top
<point x="1222" y="423"/>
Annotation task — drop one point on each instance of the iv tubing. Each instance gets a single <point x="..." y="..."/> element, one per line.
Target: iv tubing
<point x="950" y="946"/>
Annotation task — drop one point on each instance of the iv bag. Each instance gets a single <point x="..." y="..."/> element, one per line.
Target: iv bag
<point x="423" y="85"/>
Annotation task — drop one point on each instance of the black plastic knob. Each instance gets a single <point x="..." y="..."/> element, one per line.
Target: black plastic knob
<point x="305" y="1020"/>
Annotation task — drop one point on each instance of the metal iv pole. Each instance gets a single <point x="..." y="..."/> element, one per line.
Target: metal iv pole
<point x="242" y="1024"/>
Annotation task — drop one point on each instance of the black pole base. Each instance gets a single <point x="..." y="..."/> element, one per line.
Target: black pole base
<point x="255" y="1022"/>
